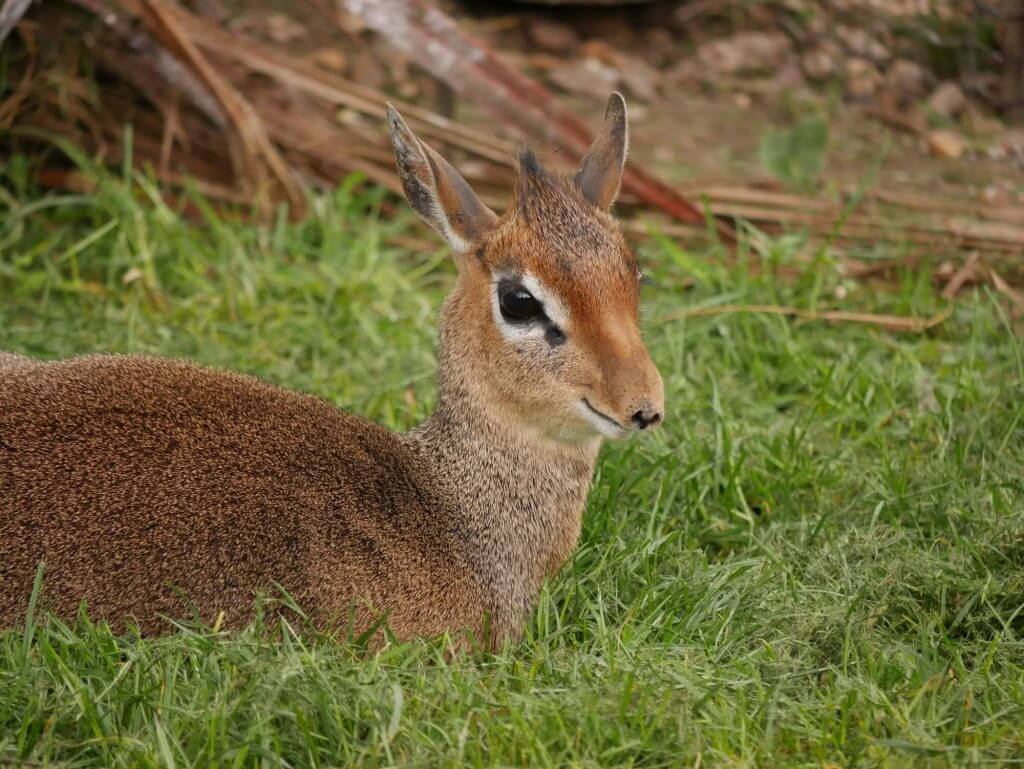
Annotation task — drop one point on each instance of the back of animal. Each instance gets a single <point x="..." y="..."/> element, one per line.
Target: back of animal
<point x="137" y="477"/>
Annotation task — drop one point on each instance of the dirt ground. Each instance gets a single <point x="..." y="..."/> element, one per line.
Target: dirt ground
<point x="714" y="138"/>
<point x="898" y="98"/>
<point x="713" y="94"/>
<point x="705" y="81"/>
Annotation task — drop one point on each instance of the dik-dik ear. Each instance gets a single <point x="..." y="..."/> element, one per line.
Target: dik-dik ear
<point x="435" y="190"/>
<point x="600" y="172"/>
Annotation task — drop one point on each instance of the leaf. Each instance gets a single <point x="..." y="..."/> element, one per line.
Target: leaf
<point x="796" y="155"/>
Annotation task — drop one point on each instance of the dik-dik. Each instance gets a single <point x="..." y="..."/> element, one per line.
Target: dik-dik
<point x="155" y="489"/>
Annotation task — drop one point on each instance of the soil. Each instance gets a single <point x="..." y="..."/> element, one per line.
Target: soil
<point x="703" y="126"/>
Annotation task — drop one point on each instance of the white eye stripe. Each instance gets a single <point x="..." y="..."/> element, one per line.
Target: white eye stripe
<point x="553" y="308"/>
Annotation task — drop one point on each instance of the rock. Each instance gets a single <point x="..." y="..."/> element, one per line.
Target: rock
<point x="658" y="40"/>
<point x="789" y="76"/>
<point x="639" y="79"/>
<point x="595" y="48"/>
<point x="863" y="44"/>
<point x="332" y="59"/>
<point x="551" y="35"/>
<point x="1008" y="145"/>
<point x="948" y="99"/>
<point x="588" y="77"/>
<point x="284" y="29"/>
<point x="862" y="77"/>
<point x="997" y="195"/>
<point x="906" y="79"/>
<point x="820" y="62"/>
<point x="635" y="75"/>
<point x="981" y="124"/>
<point x="946" y="144"/>
<point x="745" y="52"/>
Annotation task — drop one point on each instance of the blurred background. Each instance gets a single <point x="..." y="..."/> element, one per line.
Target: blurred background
<point x="865" y="125"/>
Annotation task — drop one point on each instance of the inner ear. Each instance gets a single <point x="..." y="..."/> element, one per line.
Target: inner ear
<point x="600" y="174"/>
<point x="466" y="214"/>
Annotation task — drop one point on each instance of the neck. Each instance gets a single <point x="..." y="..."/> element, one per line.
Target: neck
<point x="518" y="495"/>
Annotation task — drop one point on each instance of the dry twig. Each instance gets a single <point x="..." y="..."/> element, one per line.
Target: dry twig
<point x="890" y="322"/>
<point x="162" y="20"/>
<point x="436" y="42"/>
<point x="960" y="277"/>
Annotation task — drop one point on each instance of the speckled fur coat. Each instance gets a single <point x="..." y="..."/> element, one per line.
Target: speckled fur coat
<point x="155" y="489"/>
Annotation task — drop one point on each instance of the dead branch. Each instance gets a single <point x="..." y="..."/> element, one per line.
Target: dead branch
<point x="10" y="107"/>
<point x="163" y="22"/>
<point x="162" y="67"/>
<point x="340" y="91"/>
<point x="966" y="272"/>
<point x="287" y="130"/>
<point x="10" y="15"/>
<point x="891" y="322"/>
<point x="1016" y="297"/>
<point x="436" y="42"/>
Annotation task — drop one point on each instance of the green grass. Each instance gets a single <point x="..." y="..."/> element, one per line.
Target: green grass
<point x="818" y="561"/>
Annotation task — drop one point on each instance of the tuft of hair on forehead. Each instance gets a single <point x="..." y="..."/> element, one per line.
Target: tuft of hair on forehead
<point x="555" y="210"/>
<point x="535" y="187"/>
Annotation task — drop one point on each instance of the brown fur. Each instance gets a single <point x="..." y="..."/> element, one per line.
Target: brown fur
<point x="9" y="360"/>
<point x="149" y="486"/>
<point x="142" y="482"/>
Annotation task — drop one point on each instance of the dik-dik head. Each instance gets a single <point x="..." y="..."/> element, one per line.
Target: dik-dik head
<point x="542" y="326"/>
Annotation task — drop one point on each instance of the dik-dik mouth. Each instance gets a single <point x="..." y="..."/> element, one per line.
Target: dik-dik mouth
<point x="605" y="424"/>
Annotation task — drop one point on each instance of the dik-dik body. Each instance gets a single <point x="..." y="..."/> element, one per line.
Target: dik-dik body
<point x="152" y="488"/>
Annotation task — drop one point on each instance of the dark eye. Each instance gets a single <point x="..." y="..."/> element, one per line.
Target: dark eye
<point x="517" y="304"/>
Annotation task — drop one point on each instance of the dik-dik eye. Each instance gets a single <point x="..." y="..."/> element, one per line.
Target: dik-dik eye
<point x="517" y="304"/>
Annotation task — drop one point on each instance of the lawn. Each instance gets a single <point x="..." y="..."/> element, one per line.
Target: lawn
<point x="818" y="561"/>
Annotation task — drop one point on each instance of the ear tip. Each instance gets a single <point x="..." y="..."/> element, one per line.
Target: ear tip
<point x="394" y="118"/>
<point x="617" y="102"/>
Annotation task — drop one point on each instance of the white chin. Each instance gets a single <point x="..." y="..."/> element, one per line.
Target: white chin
<point x="601" y="424"/>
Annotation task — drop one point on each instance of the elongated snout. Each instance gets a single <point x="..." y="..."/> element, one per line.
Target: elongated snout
<point x="631" y="391"/>
<point x="642" y="393"/>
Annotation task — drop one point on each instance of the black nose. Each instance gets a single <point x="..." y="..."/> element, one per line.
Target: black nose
<point x="646" y="418"/>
